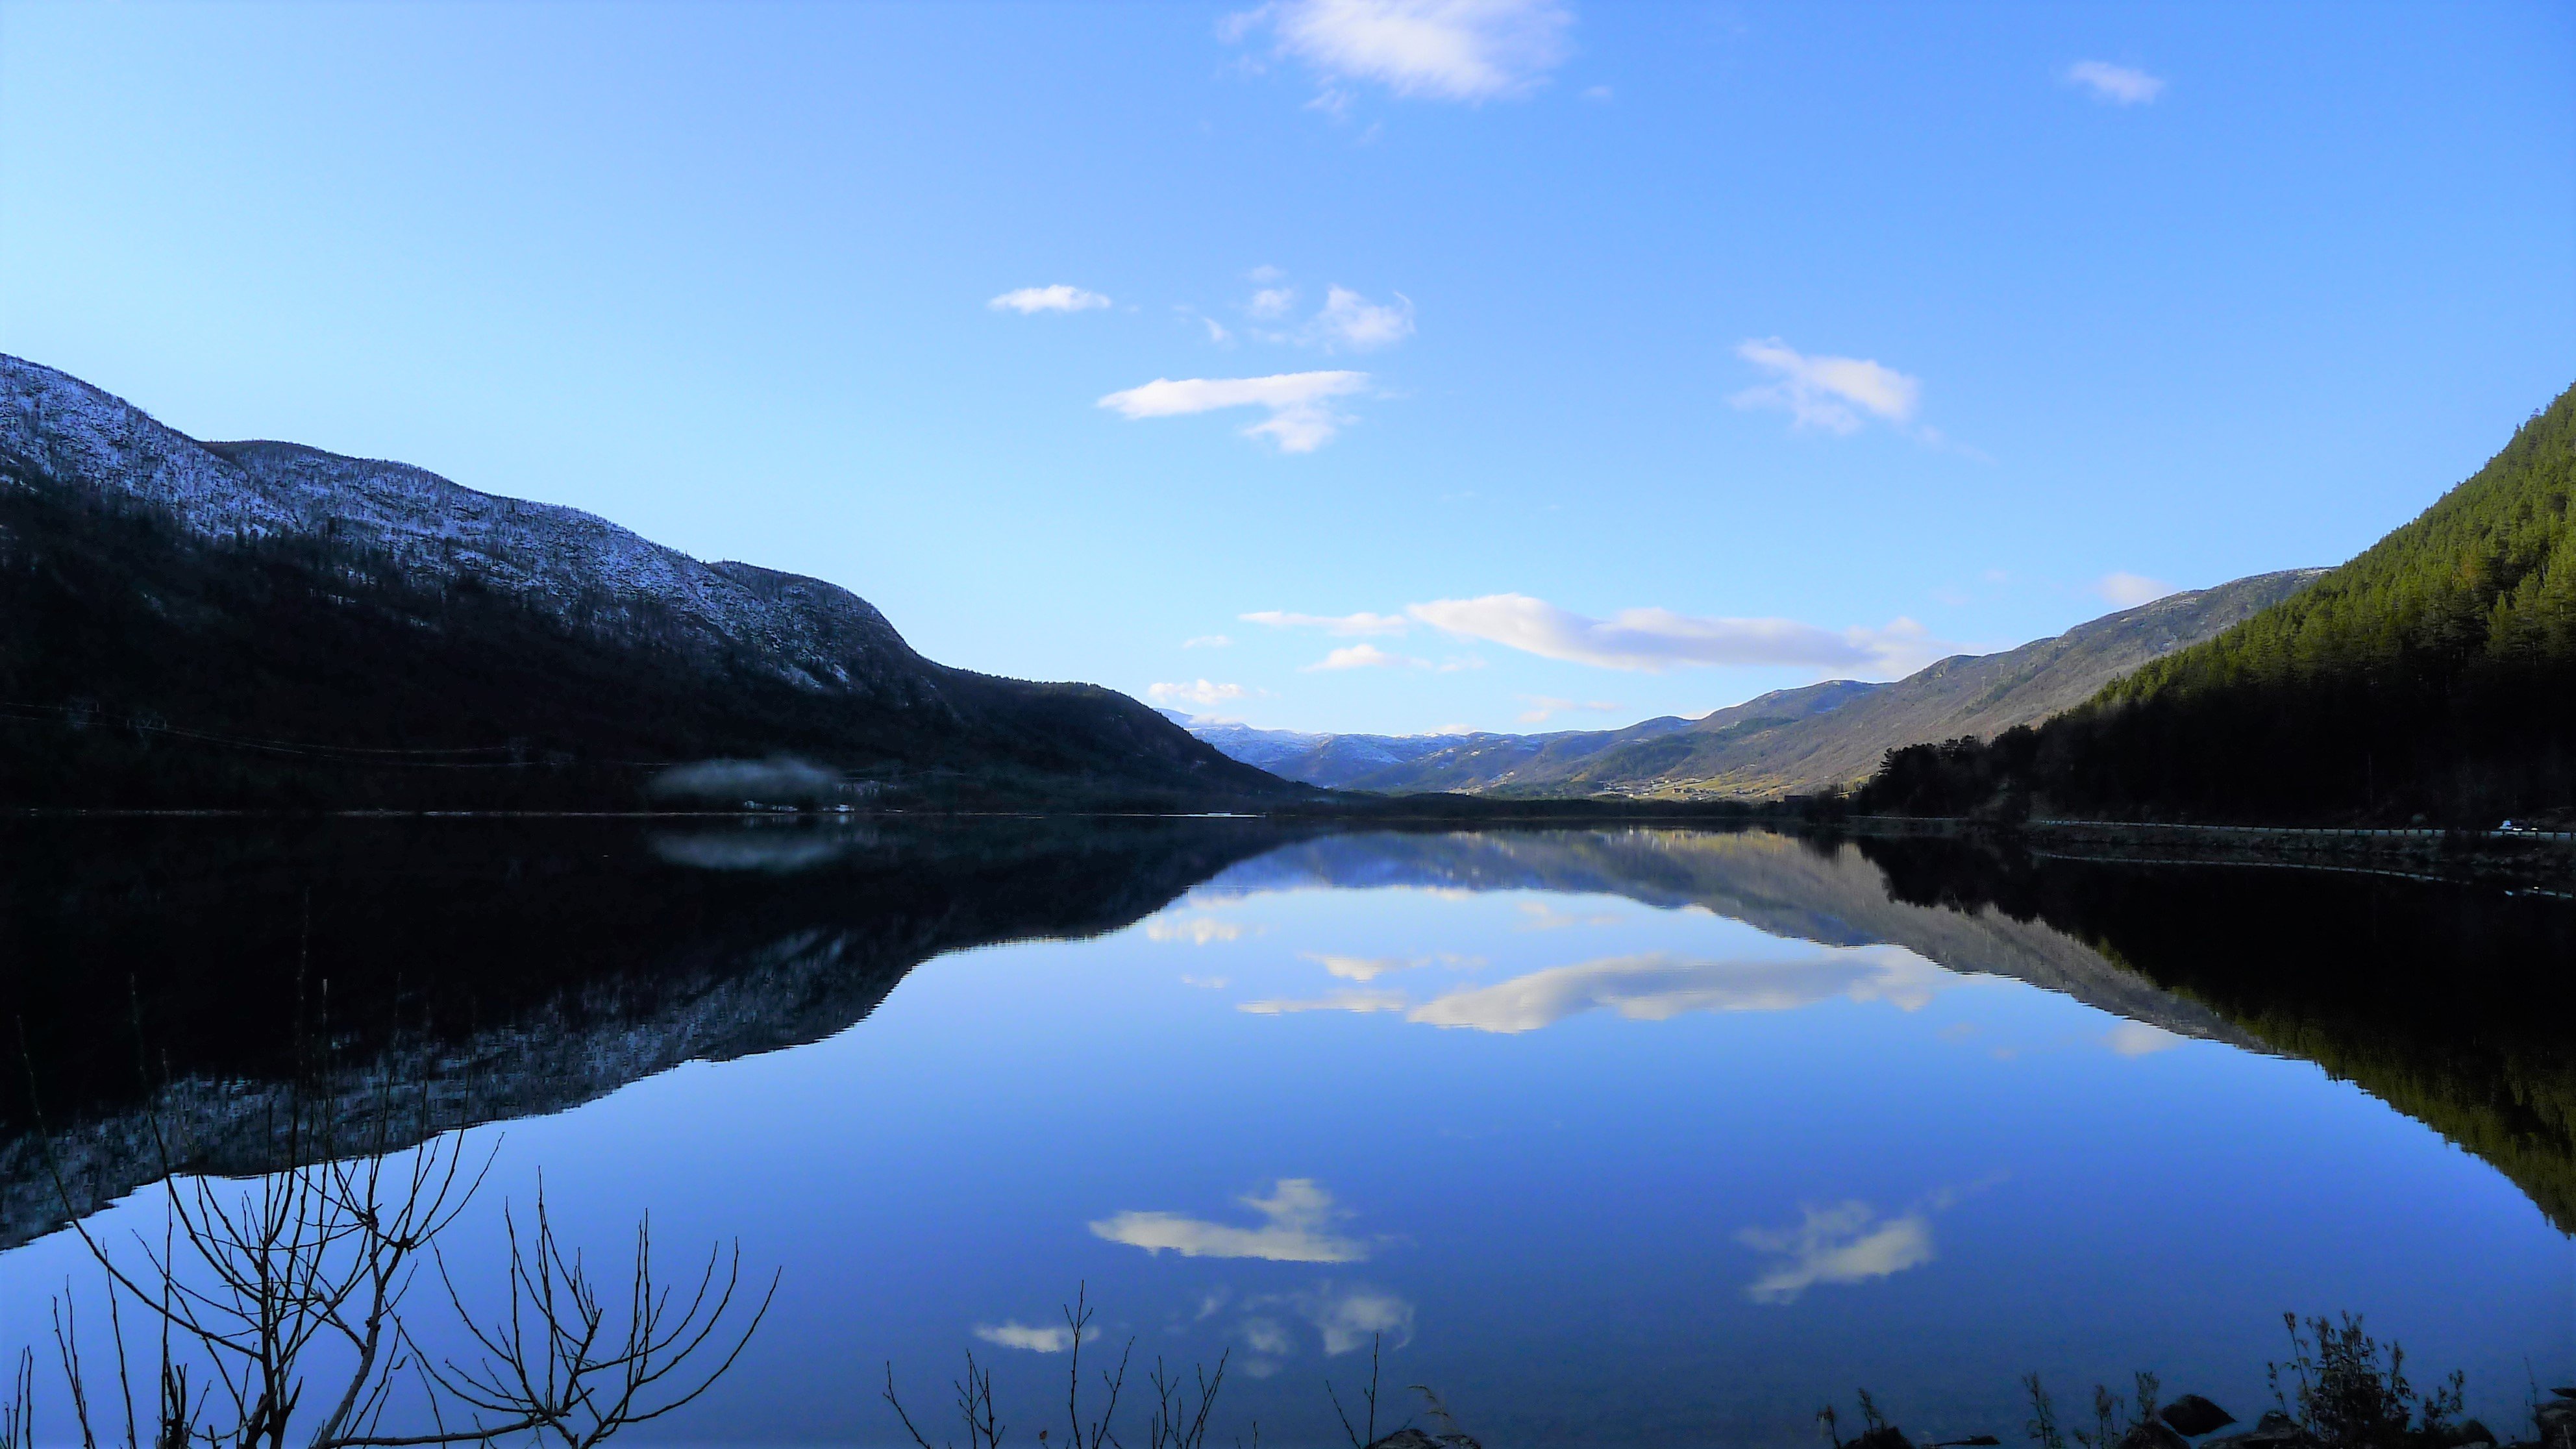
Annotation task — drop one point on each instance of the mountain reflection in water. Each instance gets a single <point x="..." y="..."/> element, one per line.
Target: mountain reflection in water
<point x="529" y="967"/>
<point x="555" y="961"/>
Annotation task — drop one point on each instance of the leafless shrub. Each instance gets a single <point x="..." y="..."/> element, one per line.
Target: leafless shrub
<point x="1178" y="1418"/>
<point x="279" y="1300"/>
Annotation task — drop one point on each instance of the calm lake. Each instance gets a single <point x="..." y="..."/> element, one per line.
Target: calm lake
<point x="1610" y="1136"/>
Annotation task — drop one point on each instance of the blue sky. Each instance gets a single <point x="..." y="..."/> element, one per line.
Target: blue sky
<point x="1512" y="358"/>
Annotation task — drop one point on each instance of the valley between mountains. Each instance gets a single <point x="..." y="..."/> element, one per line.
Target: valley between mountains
<point x="229" y="625"/>
<point x="1791" y="741"/>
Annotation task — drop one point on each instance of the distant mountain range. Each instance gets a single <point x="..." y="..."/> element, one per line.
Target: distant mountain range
<point x="1786" y="742"/>
<point x="200" y="623"/>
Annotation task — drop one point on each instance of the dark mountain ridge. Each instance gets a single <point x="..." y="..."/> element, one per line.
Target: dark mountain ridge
<point x="262" y="623"/>
<point x="2434" y="675"/>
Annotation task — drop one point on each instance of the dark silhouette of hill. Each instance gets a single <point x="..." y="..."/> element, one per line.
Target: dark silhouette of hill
<point x="2433" y="675"/>
<point x="267" y="624"/>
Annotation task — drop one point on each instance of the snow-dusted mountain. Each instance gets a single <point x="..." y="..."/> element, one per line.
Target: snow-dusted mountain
<point x="1316" y="759"/>
<point x="577" y="566"/>
<point x="391" y="610"/>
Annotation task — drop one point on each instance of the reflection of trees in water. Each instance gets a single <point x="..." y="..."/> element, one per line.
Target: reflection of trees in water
<point x="551" y="962"/>
<point x="2450" y="1003"/>
<point x="554" y="961"/>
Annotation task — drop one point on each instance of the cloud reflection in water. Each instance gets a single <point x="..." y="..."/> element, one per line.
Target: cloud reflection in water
<point x="1299" y="1214"/>
<point x="1657" y="986"/>
<point x="1011" y="1334"/>
<point x="1847" y="1243"/>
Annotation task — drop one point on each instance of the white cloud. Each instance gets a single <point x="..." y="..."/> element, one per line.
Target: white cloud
<point x="1361" y="1002"/>
<point x="1208" y="641"/>
<point x="1822" y="392"/>
<point x="1299" y="422"/>
<point x="1362" y="969"/>
<point x="2137" y="1039"/>
<point x="1271" y="302"/>
<point x="1059" y="298"/>
<point x="1297" y="1217"/>
<point x="1353" y="321"/>
<point x="1266" y="1335"/>
<point x="2118" y="85"/>
<point x="1350" y="1319"/>
<point x="1036" y="1340"/>
<point x="1264" y="274"/>
<point x="1197" y="930"/>
<point x="2130" y="590"/>
<point x="1844" y="1244"/>
<point x="1216" y="330"/>
<point x="1365" y="656"/>
<point x="1659" y="986"/>
<point x="1345" y="625"/>
<point x="1459" y="50"/>
<point x="1204" y="692"/>
<point x="1657" y="639"/>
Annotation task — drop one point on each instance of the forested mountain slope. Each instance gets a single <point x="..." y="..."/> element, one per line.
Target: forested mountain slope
<point x="196" y="624"/>
<point x="2434" y="674"/>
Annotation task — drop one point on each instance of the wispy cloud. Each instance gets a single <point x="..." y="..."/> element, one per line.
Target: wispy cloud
<point x="1058" y="298"/>
<point x="1353" y="321"/>
<point x="1847" y="1243"/>
<point x="1205" y="693"/>
<point x="2117" y="85"/>
<point x="1347" y="322"/>
<point x="1196" y="930"/>
<point x="1365" y="656"/>
<point x="1656" y="639"/>
<point x="1296" y="1225"/>
<point x="1360" y="968"/>
<point x="1350" y="1319"/>
<point x="1826" y="392"/>
<point x="2137" y="1039"/>
<point x="1301" y="419"/>
<point x="1348" y="626"/>
<point x="1208" y="641"/>
<point x="1055" y="1339"/>
<point x="2130" y="590"/>
<point x="1360" y="1002"/>
<point x="1458" y="50"/>
<point x="1658" y="986"/>
<point x="1263" y="1334"/>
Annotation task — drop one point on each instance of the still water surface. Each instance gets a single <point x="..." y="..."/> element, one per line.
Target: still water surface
<point x="1611" y="1136"/>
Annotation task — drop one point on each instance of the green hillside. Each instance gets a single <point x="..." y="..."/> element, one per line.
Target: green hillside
<point x="2435" y="674"/>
